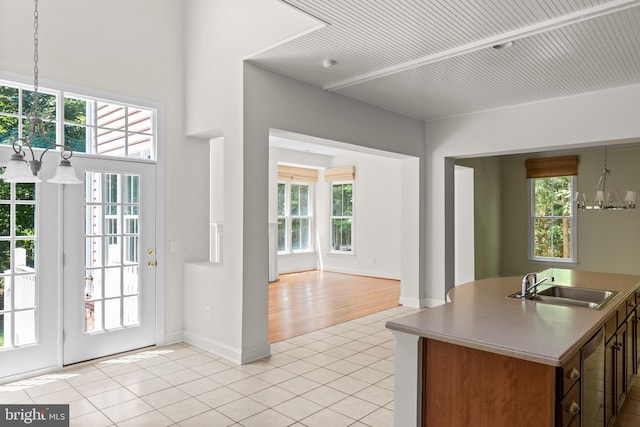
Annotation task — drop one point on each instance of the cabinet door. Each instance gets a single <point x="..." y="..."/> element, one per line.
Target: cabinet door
<point x="636" y="340"/>
<point x="620" y="368"/>
<point x="609" y="375"/>
<point x="629" y="357"/>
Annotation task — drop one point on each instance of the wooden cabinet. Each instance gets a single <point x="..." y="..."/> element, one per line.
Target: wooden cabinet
<point x="568" y="392"/>
<point x="621" y="356"/>
<point x="462" y="386"/>
<point x="636" y="334"/>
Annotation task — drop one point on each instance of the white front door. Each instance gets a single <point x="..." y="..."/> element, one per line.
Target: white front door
<point x="109" y="259"/>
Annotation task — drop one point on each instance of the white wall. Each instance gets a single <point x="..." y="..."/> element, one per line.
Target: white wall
<point x="130" y="51"/>
<point x="241" y="103"/>
<point x="274" y="101"/>
<point x="565" y="122"/>
<point x="218" y="35"/>
<point x="464" y="226"/>
<point x="377" y="206"/>
<point x="377" y="244"/>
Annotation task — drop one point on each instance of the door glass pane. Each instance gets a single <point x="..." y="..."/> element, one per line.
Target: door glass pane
<point x="112" y="282"/>
<point x="93" y="316"/>
<point x="130" y="311"/>
<point x="2" y="330"/>
<point x="112" y="251"/>
<point x="25" y="220"/>
<point x="93" y="220"/>
<point x="5" y="216"/>
<point x="25" y="327"/>
<point x="131" y="280"/>
<point x="7" y="337"/>
<point x="25" y="291"/>
<point x="4" y="300"/>
<point x="93" y="252"/>
<point x="5" y="188"/>
<point x="112" y="313"/>
<point x="93" y="284"/>
<point x="25" y="192"/>
<point x="5" y="256"/>
<point x="25" y="260"/>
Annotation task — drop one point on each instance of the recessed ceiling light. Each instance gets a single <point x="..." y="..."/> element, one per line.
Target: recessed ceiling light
<point x="329" y="63"/>
<point x="505" y="45"/>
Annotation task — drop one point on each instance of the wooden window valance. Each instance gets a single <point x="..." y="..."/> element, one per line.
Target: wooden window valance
<point x="552" y="166"/>
<point x="293" y="173"/>
<point x="340" y="173"/>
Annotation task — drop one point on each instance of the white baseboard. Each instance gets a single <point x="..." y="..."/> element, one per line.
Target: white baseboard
<point x="420" y="302"/>
<point x="29" y="374"/>
<point x="366" y="273"/>
<point x="233" y="354"/>
<point x="173" y="338"/>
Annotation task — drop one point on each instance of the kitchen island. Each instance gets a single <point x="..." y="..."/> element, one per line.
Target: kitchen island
<point x="486" y="359"/>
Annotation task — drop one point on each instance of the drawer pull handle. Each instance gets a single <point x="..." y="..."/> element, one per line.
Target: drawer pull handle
<point x="574" y="374"/>
<point x="574" y="408"/>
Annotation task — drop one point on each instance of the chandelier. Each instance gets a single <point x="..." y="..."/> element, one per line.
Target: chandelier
<point x="604" y="200"/>
<point x="25" y="164"/>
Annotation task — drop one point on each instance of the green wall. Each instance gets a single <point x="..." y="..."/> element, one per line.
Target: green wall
<point x="487" y="214"/>
<point x="607" y="241"/>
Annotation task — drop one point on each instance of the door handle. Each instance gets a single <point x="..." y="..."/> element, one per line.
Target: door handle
<point x="152" y="263"/>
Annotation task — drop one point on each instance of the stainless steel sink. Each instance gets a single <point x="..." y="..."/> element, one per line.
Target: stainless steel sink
<point x="572" y="296"/>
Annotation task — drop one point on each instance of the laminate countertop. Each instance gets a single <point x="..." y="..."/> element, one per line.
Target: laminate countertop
<point x="481" y="316"/>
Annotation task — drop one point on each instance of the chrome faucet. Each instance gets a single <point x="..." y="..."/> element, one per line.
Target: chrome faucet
<point x="529" y="285"/>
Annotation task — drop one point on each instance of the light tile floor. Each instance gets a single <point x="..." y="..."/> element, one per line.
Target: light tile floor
<point x="338" y="376"/>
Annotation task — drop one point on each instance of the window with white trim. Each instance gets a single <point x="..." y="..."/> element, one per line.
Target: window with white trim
<point x="294" y="217"/>
<point x="552" y="217"/>
<point x="342" y="217"/>
<point x="84" y="124"/>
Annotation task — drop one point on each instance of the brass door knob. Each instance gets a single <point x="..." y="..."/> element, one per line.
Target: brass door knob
<point x="152" y="263"/>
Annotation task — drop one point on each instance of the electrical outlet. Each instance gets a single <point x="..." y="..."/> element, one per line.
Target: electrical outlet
<point x="207" y="312"/>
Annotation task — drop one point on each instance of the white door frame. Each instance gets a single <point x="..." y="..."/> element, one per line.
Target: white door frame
<point x="79" y="346"/>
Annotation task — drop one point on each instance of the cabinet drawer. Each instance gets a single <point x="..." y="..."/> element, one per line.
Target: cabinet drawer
<point x="569" y="406"/>
<point x="570" y="374"/>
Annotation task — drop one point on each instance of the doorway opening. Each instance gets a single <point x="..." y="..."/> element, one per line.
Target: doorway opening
<point x="375" y="196"/>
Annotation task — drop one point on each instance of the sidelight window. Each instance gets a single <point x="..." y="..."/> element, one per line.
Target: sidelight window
<point x="18" y="286"/>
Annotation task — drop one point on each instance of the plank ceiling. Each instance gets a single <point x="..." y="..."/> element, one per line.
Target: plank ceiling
<point x="429" y="59"/>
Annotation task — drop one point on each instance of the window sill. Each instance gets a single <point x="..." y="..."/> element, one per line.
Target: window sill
<point x="554" y="262"/>
<point x="296" y="253"/>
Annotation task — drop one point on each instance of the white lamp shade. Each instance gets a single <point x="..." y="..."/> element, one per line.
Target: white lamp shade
<point x="599" y="196"/>
<point x="17" y="170"/>
<point x="65" y="174"/>
<point x="630" y="197"/>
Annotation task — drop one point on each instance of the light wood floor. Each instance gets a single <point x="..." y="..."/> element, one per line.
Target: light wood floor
<point x="304" y="302"/>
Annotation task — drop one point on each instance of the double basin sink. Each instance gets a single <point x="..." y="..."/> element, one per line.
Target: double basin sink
<point x="571" y="296"/>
